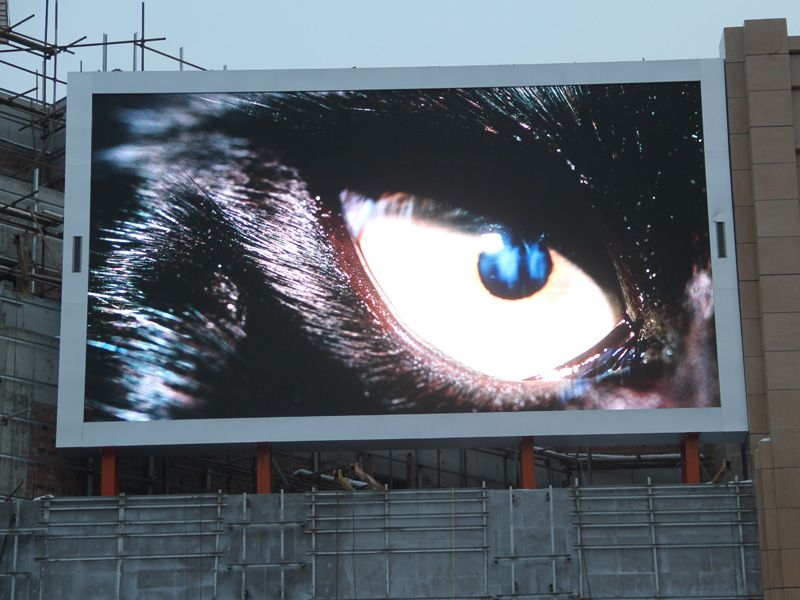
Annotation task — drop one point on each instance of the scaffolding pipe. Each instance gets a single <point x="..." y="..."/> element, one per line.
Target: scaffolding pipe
<point x="35" y="196"/>
<point x="55" y="58"/>
<point x="143" y="36"/>
<point x="652" y="523"/>
<point x="552" y="538"/>
<point x="511" y="538"/>
<point x="45" y="56"/>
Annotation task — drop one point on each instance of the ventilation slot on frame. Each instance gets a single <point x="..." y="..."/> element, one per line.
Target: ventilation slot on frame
<point x="722" y="251"/>
<point x="77" y="242"/>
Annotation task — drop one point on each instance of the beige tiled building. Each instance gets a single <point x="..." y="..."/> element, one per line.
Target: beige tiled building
<point x="762" y="65"/>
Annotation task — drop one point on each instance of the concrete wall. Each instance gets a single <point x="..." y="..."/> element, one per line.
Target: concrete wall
<point x="763" y="87"/>
<point x="598" y="542"/>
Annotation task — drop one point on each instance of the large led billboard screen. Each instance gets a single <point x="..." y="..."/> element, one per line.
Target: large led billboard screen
<point x="400" y="256"/>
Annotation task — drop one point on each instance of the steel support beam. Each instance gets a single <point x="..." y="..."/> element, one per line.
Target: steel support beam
<point x="527" y="465"/>
<point x="263" y="469"/>
<point x="109" y="476"/>
<point x="690" y="458"/>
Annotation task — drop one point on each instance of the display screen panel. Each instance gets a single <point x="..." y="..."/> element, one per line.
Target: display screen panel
<point x="412" y="251"/>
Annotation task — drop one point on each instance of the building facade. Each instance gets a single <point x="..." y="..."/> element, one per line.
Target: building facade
<point x="762" y="66"/>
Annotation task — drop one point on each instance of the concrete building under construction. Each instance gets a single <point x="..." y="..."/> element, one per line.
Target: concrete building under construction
<point x="611" y="521"/>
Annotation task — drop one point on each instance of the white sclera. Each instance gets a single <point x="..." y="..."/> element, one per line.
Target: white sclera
<point x="429" y="275"/>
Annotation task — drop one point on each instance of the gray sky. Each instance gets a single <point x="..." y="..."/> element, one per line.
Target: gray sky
<point x="250" y="34"/>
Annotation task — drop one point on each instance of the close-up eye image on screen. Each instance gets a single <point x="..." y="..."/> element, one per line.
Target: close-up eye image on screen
<point x="494" y="249"/>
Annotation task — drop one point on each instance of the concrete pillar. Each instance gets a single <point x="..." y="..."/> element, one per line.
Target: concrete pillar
<point x="109" y="475"/>
<point x="263" y="469"/>
<point x="527" y="464"/>
<point x="762" y="66"/>
<point x="690" y="458"/>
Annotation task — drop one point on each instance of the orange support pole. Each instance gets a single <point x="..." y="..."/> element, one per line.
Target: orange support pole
<point x="527" y="465"/>
<point x="263" y="469"/>
<point x="109" y="472"/>
<point x="690" y="458"/>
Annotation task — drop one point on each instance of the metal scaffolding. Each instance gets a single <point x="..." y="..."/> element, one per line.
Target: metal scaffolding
<point x="32" y="168"/>
<point x="32" y="150"/>
<point x="610" y="543"/>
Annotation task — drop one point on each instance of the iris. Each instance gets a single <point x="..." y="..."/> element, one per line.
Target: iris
<point x="513" y="267"/>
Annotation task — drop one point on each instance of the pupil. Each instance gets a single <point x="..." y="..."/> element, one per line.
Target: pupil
<point x="518" y="269"/>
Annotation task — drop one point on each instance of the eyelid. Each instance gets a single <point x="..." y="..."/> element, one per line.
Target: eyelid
<point x="428" y="274"/>
<point x="586" y="363"/>
<point x="359" y="209"/>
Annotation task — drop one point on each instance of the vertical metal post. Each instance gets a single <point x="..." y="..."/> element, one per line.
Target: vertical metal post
<point x="120" y="544"/>
<point x="46" y="524"/>
<point x="44" y="81"/>
<point x="552" y="541"/>
<point x="283" y="548"/>
<point x="244" y="547"/>
<point x="453" y="521"/>
<point x="35" y="237"/>
<point x="528" y="466"/>
<point x="589" y="464"/>
<point x="511" y="539"/>
<point x="651" y="515"/>
<point x="44" y="60"/>
<point x="484" y="510"/>
<point x="151" y="472"/>
<point x="90" y="478"/>
<point x="109" y="472"/>
<point x="690" y="458"/>
<point x="216" y="540"/>
<point x="741" y="535"/>
<point x="314" y="540"/>
<point x="143" y="36"/>
<point x="15" y="522"/>
<point x="180" y="54"/>
<point x="105" y="52"/>
<point x="135" y="49"/>
<point x="263" y="469"/>
<point x="580" y="538"/>
<point x="386" y="539"/>
<point x="55" y="57"/>
<point x="165" y="475"/>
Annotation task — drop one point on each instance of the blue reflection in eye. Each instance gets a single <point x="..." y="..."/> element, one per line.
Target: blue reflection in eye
<point x="512" y="267"/>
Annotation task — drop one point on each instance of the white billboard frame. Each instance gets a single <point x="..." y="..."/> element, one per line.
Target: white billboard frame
<point x="729" y="422"/>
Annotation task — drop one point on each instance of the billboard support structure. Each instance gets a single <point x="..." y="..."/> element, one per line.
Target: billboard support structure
<point x="527" y="464"/>
<point x="263" y="469"/>
<point x="690" y="458"/>
<point x="590" y="221"/>
<point x="109" y="478"/>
